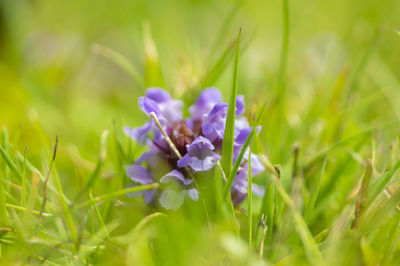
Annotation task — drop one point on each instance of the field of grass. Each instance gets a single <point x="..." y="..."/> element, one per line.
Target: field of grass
<point x="320" y="77"/>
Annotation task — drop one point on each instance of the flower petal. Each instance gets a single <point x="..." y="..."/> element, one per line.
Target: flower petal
<point x="171" y="110"/>
<point x="148" y="105"/>
<point x="202" y="142"/>
<point x="171" y="199"/>
<point x="149" y="195"/>
<point x="158" y="95"/>
<point x="240" y="182"/>
<point x="258" y="190"/>
<point x="204" y="164"/>
<point x="193" y="194"/>
<point x="239" y="105"/>
<point x="175" y="174"/>
<point x="204" y="104"/>
<point x="184" y="161"/>
<point x="257" y="166"/>
<point x="139" y="174"/>
<point x="214" y="122"/>
<point x="243" y="134"/>
<point x="139" y="134"/>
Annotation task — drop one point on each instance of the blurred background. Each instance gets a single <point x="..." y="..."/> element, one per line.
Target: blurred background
<point x="76" y="68"/>
<point x="54" y="67"/>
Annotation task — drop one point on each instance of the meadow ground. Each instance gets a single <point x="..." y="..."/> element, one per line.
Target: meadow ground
<point x="71" y="73"/>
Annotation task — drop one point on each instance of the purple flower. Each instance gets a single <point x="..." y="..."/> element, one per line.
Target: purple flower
<point x="197" y="138"/>
<point x="200" y="155"/>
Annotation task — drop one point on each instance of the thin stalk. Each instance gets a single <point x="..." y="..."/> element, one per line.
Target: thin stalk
<point x="19" y="208"/>
<point x="45" y="190"/>
<point x="250" y="199"/>
<point x="362" y="194"/>
<point x="23" y="184"/>
<point x="93" y="202"/>
<point x="116" y="194"/>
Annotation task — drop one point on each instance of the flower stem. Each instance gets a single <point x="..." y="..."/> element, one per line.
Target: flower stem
<point x="167" y="138"/>
<point x="250" y="199"/>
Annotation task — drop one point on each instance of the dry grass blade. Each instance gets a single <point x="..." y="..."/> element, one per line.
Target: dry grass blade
<point x="362" y="194"/>
<point x="45" y="191"/>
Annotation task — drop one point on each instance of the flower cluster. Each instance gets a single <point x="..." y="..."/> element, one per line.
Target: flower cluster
<point x="197" y="142"/>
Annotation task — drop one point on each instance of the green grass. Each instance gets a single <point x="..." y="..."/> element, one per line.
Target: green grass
<point x="327" y="70"/>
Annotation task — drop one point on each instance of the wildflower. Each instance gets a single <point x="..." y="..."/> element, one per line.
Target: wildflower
<point x="197" y="139"/>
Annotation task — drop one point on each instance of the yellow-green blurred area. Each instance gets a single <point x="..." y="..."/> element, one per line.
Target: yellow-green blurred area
<point x="51" y="71"/>
<point x="76" y="69"/>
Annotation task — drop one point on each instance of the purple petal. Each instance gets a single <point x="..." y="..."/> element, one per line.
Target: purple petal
<point x="243" y="134"/>
<point x="204" y="164"/>
<point x="257" y="166"/>
<point x="139" y="174"/>
<point x="200" y="156"/>
<point x="151" y="158"/>
<point x="204" y="104"/>
<point x="193" y="194"/>
<point x="239" y="188"/>
<point x="200" y="142"/>
<point x="258" y="190"/>
<point x="148" y="105"/>
<point x="157" y="94"/>
<point x="214" y="122"/>
<point x="171" y="110"/>
<point x="184" y="161"/>
<point x="239" y="105"/>
<point x="240" y="181"/>
<point x="218" y="109"/>
<point x="175" y="174"/>
<point x="210" y="131"/>
<point x="139" y="134"/>
<point x="149" y="195"/>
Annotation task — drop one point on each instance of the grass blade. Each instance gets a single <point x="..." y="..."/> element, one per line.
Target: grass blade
<point x="238" y="161"/>
<point x="362" y="194"/>
<point x="99" y="166"/>
<point x="227" y="145"/>
<point x="373" y="216"/>
<point x="379" y="184"/>
<point x="11" y="164"/>
<point x="311" y="248"/>
<point x="117" y="194"/>
<point x="120" y="61"/>
<point x="99" y="217"/>
<point x="3" y="176"/>
<point x="314" y="194"/>
<point x="212" y="75"/>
